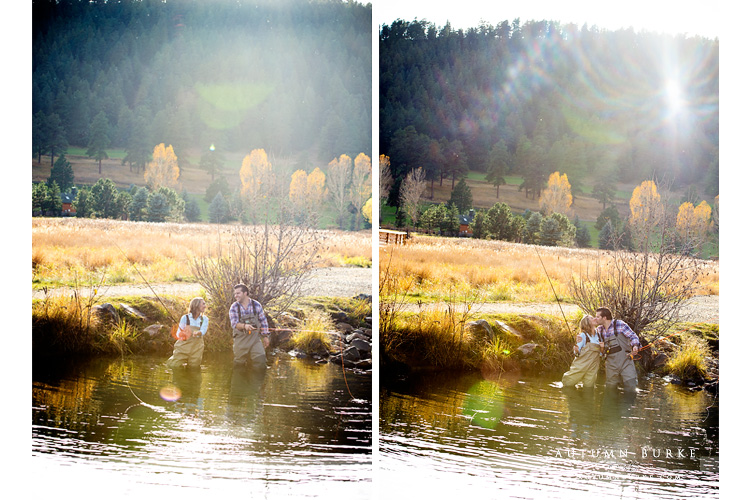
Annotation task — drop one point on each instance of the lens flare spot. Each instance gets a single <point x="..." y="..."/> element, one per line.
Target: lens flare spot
<point x="170" y="393"/>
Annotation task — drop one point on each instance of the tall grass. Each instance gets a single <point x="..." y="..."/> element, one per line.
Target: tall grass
<point x="64" y="249"/>
<point x="688" y="361"/>
<point x="313" y="335"/>
<point x="503" y="271"/>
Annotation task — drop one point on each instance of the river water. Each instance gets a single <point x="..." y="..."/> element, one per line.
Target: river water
<point x="117" y="428"/>
<point x="466" y="436"/>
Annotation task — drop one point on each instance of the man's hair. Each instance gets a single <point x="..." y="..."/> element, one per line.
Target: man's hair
<point x="605" y="312"/>
<point x="242" y="287"/>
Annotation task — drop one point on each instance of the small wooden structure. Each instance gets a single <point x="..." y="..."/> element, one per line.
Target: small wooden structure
<point x="391" y="236"/>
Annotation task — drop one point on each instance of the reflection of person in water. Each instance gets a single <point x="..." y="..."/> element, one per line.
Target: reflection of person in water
<point x="245" y="388"/>
<point x="585" y="366"/>
<point x="581" y="411"/>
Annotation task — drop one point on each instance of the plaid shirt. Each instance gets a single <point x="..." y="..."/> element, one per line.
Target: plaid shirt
<point x="254" y="307"/>
<point x="623" y="328"/>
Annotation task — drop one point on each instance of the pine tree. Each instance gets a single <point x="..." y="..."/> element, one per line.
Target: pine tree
<point x="461" y="197"/>
<point x="62" y="174"/>
<point x="218" y="210"/>
<point x="98" y="139"/>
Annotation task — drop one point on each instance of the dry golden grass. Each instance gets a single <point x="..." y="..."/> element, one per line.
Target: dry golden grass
<point x="437" y="267"/>
<point x="71" y="250"/>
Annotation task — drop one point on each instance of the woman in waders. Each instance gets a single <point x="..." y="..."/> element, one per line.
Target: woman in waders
<point x="189" y="346"/>
<point x="585" y="366"/>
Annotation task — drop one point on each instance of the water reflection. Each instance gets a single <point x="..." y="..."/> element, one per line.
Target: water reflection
<point x="275" y="431"/>
<point x="530" y="438"/>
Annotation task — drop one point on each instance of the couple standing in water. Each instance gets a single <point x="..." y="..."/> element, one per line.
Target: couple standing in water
<point x="602" y="335"/>
<point x="250" y="335"/>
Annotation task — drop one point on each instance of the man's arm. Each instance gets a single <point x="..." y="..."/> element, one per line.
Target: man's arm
<point x="234" y="315"/>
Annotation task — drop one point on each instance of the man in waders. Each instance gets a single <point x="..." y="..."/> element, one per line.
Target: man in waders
<point x="620" y="345"/>
<point x="249" y="329"/>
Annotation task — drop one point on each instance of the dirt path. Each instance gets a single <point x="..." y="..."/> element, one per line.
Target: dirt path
<point x="703" y="309"/>
<point x="329" y="282"/>
<point x="352" y="281"/>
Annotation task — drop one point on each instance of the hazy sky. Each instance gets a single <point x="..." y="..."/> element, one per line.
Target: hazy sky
<point x="699" y="17"/>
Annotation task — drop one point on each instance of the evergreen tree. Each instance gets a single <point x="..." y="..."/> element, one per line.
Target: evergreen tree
<point x="220" y="185"/>
<point x="607" y="237"/>
<point x="477" y="225"/>
<point x="212" y="161"/>
<point x="52" y="204"/>
<point x="192" y="210"/>
<point x="139" y="207"/>
<point x="608" y="214"/>
<point x="99" y="139"/>
<point x="62" y="174"/>
<point x="583" y="236"/>
<point x="158" y="207"/>
<point x="551" y="232"/>
<point x="499" y="165"/>
<point x="218" y="210"/>
<point x="461" y="197"/>
<point x="531" y="233"/>
<point x="104" y="199"/>
<point x="82" y="203"/>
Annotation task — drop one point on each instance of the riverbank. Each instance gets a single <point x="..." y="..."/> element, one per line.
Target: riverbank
<point x="453" y="340"/>
<point x="323" y="329"/>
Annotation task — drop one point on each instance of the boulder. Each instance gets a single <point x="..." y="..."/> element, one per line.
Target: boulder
<point x="509" y="330"/>
<point x="527" y="349"/>
<point x="107" y="312"/>
<point x="481" y="327"/>
<point x="132" y="311"/>
<point x="362" y="345"/>
<point x="153" y="330"/>
<point x="344" y="327"/>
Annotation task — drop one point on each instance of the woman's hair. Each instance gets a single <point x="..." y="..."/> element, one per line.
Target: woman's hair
<point x="586" y="324"/>
<point x="194" y="305"/>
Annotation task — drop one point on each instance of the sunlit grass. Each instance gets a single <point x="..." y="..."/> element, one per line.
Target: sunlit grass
<point x="502" y="271"/>
<point x="313" y="335"/>
<point x="689" y="359"/>
<point x="128" y="252"/>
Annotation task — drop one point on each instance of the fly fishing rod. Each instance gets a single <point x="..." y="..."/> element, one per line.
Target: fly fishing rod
<point x="553" y="291"/>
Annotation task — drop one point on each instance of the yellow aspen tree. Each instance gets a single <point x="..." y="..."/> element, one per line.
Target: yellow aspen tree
<point x="702" y="217"/>
<point x="339" y="175"/>
<point x="298" y="190"/>
<point x="685" y="216"/>
<point x="367" y="211"/>
<point x="256" y="175"/>
<point x="556" y="197"/>
<point x="645" y="204"/>
<point x="360" y="188"/>
<point x="316" y="187"/>
<point x="163" y="169"/>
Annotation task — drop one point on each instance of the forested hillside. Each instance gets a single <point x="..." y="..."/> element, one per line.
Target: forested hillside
<point x="603" y="107"/>
<point x="290" y="76"/>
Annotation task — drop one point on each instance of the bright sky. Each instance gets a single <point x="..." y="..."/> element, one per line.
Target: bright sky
<point x="699" y="17"/>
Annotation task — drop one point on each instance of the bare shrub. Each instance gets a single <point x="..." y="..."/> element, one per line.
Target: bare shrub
<point x="646" y="288"/>
<point x="274" y="261"/>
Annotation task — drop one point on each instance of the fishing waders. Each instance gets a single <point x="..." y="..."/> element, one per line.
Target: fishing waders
<point x="584" y="368"/>
<point x="188" y="351"/>
<point x="248" y="347"/>
<point x="620" y="366"/>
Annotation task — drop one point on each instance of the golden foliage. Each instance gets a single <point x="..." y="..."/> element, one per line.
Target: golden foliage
<point x="556" y="197"/>
<point x="316" y="189"/>
<point x="163" y="169"/>
<point x="645" y="204"/>
<point x="256" y="175"/>
<point x="367" y="211"/>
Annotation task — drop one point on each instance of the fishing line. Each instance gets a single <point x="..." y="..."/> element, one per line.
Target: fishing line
<point x="553" y="291"/>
